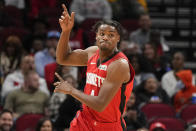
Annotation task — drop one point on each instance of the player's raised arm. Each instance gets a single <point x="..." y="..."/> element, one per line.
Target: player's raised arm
<point x="64" y="55"/>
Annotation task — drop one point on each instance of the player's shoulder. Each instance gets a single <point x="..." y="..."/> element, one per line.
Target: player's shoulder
<point x="91" y="51"/>
<point x="119" y="70"/>
<point x="120" y="64"/>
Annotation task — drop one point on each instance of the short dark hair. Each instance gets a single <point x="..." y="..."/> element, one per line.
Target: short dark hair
<point x="6" y="111"/>
<point x="41" y="122"/>
<point x="113" y="23"/>
<point x="181" y="53"/>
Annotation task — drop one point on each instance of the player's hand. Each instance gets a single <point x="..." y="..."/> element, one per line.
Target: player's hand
<point x="62" y="86"/>
<point x="66" y="21"/>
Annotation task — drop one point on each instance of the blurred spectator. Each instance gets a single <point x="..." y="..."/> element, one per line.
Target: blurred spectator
<point x="142" y="129"/>
<point x="158" y="41"/>
<point x="57" y="98"/>
<point x="37" y="45"/>
<point x="129" y="48"/>
<point x="38" y="29"/>
<point x="87" y="9"/>
<point x="125" y="9"/>
<point x="6" y="120"/>
<point x="67" y="112"/>
<point x="191" y="127"/>
<point x="141" y="66"/>
<point x="158" y="126"/>
<point x="142" y="35"/>
<point x="16" y="79"/>
<point x="17" y="3"/>
<point x="149" y="91"/>
<point x="169" y="79"/>
<point x="44" y="124"/>
<point x="160" y="64"/>
<point x="11" y="55"/>
<point x="27" y="99"/>
<point x="134" y="118"/>
<point x="67" y="109"/>
<point x="48" y="55"/>
<point x="184" y="95"/>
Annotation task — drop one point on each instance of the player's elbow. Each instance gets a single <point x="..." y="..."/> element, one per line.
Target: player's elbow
<point x="59" y="61"/>
<point x="62" y="59"/>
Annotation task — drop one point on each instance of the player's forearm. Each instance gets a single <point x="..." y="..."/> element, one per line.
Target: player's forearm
<point x="93" y="102"/>
<point x="63" y="48"/>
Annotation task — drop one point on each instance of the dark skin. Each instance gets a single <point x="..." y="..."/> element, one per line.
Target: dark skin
<point x="107" y="38"/>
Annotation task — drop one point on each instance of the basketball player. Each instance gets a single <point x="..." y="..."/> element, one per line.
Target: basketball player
<point x="109" y="78"/>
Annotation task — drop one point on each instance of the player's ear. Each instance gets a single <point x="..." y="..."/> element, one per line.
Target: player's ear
<point x="118" y="38"/>
<point x="96" y="37"/>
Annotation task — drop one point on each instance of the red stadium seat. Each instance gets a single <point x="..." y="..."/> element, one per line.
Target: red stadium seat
<point x="172" y="124"/>
<point x="188" y="113"/>
<point x="13" y="12"/>
<point x="49" y="71"/>
<point x="90" y="36"/>
<point x="27" y="122"/>
<point x="130" y="24"/>
<point x="17" y="22"/>
<point x="158" y="110"/>
<point x="54" y="23"/>
<point x="50" y="12"/>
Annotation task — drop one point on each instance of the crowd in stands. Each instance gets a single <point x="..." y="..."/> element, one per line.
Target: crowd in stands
<point x="164" y="92"/>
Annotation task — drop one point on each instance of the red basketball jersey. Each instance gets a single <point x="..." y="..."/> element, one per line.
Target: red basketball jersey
<point x="95" y="75"/>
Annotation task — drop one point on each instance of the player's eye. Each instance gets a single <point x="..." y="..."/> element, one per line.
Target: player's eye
<point x="111" y="35"/>
<point x="102" y="34"/>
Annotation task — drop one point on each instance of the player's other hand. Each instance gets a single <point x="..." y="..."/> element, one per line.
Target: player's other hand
<point x="66" y="21"/>
<point x="62" y="86"/>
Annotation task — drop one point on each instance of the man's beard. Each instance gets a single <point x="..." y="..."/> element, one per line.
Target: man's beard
<point x="5" y="127"/>
<point x="33" y="89"/>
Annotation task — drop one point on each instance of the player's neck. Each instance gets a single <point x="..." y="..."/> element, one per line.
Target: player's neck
<point x="103" y="55"/>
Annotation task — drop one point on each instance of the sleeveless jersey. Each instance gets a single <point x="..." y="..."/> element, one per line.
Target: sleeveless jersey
<point x="95" y="75"/>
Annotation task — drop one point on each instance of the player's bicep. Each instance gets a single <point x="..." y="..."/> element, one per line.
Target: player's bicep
<point x="79" y="57"/>
<point x="117" y="74"/>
